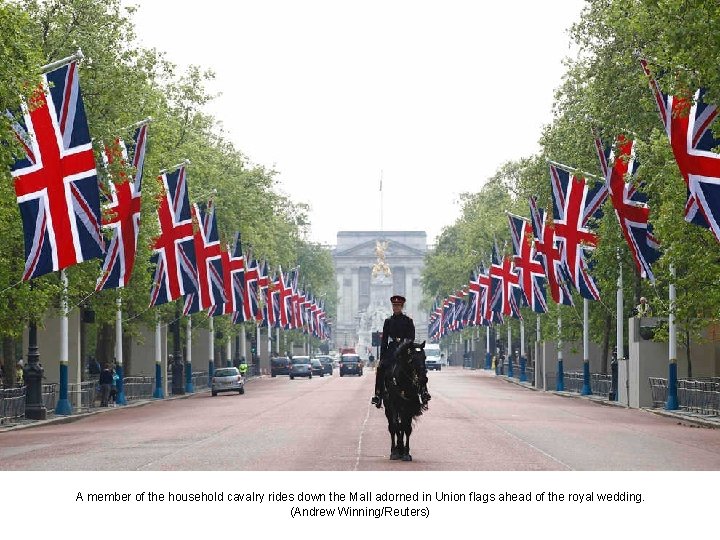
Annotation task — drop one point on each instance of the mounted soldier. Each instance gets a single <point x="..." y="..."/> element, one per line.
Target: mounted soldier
<point x="396" y="328"/>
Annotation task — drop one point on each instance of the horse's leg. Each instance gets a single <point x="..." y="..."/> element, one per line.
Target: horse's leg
<point x="407" y="428"/>
<point x="392" y="428"/>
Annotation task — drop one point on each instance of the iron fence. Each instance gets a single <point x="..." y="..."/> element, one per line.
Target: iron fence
<point x="138" y="387"/>
<point x="701" y="395"/>
<point x="50" y="396"/>
<point x="87" y="391"/>
<point x="12" y="404"/>
<point x="200" y="379"/>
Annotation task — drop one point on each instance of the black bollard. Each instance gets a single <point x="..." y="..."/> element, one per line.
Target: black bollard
<point x="613" y="395"/>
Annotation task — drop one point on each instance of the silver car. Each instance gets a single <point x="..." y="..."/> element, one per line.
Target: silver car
<point x="227" y="379"/>
<point x="300" y="367"/>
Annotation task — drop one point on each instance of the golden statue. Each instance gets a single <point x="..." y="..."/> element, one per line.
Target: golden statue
<point x="381" y="266"/>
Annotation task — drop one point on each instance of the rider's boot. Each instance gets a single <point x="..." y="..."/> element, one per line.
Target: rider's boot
<point x="376" y="399"/>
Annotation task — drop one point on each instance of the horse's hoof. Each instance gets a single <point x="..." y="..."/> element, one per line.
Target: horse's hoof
<point x="394" y="456"/>
<point x="407" y="457"/>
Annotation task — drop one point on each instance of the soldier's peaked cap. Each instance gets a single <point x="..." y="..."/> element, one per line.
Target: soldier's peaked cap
<point x="397" y="299"/>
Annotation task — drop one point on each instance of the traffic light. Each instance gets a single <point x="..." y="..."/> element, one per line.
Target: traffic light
<point x="376" y="339"/>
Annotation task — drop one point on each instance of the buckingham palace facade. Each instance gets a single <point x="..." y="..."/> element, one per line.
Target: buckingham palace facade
<point x="359" y="257"/>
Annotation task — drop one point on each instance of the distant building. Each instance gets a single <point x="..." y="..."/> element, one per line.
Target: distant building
<point x="361" y="301"/>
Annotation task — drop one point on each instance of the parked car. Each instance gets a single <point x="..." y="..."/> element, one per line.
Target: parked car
<point x="279" y="366"/>
<point x="433" y="363"/>
<point x="227" y="379"/>
<point x="350" y="364"/>
<point x="300" y="367"/>
<point x="316" y="367"/>
<point x="328" y="364"/>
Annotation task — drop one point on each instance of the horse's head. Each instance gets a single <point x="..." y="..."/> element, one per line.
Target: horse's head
<point x="412" y="353"/>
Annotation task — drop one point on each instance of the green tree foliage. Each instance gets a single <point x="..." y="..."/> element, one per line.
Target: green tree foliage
<point x="122" y="84"/>
<point x="605" y="89"/>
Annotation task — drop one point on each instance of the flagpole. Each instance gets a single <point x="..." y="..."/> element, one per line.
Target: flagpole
<point x="538" y="348"/>
<point x="211" y="349"/>
<point x="381" y="202"/>
<point x="78" y="55"/>
<point x="228" y="352"/>
<point x="189" y="388"/>
<point x="523" y="360"/>
<point x="488" y="354"/>
<point x="559" y="376"/>
<point x="510" y="372"/>
<point x="586" y="388"/>
<point x="672" y="396"/>
<point x="159" y="391"/>
<point x="620" y="327"/>
<point x="183" y="163"/>
<point x="120" y="398"/>
<point x="573" y="170"/>
<point x="63" y="406"/>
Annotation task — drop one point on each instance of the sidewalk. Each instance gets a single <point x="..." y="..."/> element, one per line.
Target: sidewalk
<point x="708" y="421"/>
<point x="22" y="423"/>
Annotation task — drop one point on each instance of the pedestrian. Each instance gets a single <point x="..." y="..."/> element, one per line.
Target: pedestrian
<point x="106" y="383"/>
<point x="19" y="382"/>
<point x="93" y="366"/>
<point x="643" y="309"/>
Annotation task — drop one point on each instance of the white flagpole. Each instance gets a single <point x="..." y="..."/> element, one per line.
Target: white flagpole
<point x="189" y="388"/>
<point x="120" y="399"/>
<point x="59" y="63"/>
<point x="63" y="406"/>
<point x="586" y="388"/>
<point x="211" y="347"/>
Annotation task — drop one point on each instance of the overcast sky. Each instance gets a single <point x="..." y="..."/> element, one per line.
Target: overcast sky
<point x="433" y="95"/>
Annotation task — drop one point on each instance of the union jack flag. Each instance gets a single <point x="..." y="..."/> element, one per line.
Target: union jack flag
<point x="56" y="181"/>
<point x="284" y="295"/>
<point x="555" y="268"/>
<point x="250" y="307"/>
<point x="572" y="211"/>
<point x="531" y="274"/>
<point x="475" y="307"/>
<point x="504" y="280"/>
<point x="688" y="125"/>
<point x="233" y="265"/>
<point x="173" y="250"/>
<point x="123" y="212"/>
<point x="630" y="208"/>
<point x="211" y="290"/>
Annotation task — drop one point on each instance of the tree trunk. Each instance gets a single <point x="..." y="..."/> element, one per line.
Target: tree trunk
<point x="127" y="343"/>
<point x="9" y="361"/>
<point x="105" y="346"/>
<point x="606" y="344"/>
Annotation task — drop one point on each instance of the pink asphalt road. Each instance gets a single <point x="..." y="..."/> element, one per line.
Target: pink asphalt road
<point x="475" y="422"/>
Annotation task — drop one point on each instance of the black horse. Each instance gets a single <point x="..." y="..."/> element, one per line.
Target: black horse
<point x="404" y="382"/>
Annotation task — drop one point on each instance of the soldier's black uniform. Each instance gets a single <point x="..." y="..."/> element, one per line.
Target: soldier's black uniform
<point x="396" y="328"/>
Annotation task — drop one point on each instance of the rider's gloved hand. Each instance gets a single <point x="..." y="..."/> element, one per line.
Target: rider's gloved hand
<point x="425" y="395"/>
<point x="376" y="401"/>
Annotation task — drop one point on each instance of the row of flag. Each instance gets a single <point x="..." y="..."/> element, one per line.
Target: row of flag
<point x="61" y="204"/>
<point x="553" y="251"/>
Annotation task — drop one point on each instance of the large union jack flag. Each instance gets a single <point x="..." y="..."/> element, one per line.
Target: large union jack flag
<point x="122" y="213"/>
<point x="555" y="268"/>
<point x="56" y="181"/>
<point x="173" y="250"/>
<point x="630" y="208"/>
<point x="233" y="264"/>
<point x="208" y="253"/>
<point x="688" y="125"/>
<point x="573" y="206"/>
<point x="531" y="274"/>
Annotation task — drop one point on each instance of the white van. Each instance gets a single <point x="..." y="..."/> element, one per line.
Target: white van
<point x="432" y="356"/>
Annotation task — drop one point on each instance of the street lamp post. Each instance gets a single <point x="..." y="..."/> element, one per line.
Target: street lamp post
<point x="178" y="387"/>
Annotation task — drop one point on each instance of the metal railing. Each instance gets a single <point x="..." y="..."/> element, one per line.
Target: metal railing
<point x="701" y="395"/>
<point x="600" y="383"/>
<point x="200" y="379"/>
<point x="12" y="404"/>
<point x="138" y="387"/>
<point x="88" y="392"/>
